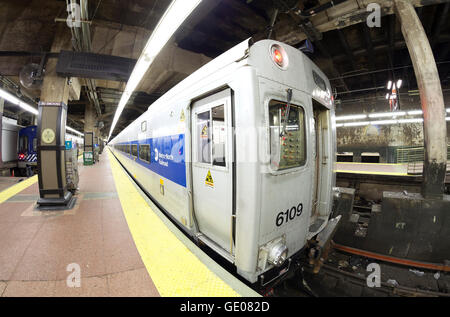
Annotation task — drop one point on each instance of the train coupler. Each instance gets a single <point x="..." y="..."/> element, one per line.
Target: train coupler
<point x="320" y="246"/>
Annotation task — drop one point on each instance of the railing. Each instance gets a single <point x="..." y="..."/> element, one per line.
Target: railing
<point x="413" y="154"/>
<point x="414" y="157"/>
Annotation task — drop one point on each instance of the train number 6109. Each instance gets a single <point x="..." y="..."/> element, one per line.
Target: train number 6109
<point x="289" y="214"/>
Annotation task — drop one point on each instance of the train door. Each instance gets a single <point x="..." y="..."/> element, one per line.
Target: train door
<point x="212" y="167"/>
<point x="321" y="162"/>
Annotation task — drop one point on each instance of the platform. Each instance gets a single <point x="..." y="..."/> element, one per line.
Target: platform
<point x="122" y="243"/>
<point x="372" y="168"/>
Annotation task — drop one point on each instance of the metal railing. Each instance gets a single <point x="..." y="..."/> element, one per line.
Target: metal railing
<point x="414" y="157"/>
<point x="413" y="154"/>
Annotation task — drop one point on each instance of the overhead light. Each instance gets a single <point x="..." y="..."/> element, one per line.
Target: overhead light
<point x="383" y="122"/>
<point x="387" y="114"/>
<point x="414" y="112"/>
<point x="174" y="16"/>
<point x="387" y="96"/>
<point x="13" y="99"/>
<point x="399" y="83"/>
<point x="356" y="124"/>
<point x="73" y="130"/>
<point x="338" y="125"/>
<point x="414" y="120"/>
<point x="447" y="119"/>
<point x="448" y="110"/>
<point x="351" y="117"/>
<point x="389" y="85"/>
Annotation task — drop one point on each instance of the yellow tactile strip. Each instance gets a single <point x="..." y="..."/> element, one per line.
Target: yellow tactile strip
<point x="174" y="269"/>
<point x="17" y="188"/>
<point x="371" y="173"/>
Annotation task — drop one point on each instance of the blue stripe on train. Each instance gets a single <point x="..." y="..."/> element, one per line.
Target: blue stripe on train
<point x="167" y="157"/>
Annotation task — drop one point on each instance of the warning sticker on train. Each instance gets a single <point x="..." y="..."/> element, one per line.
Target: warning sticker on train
<point x="205" y="131"/>
<point x="209" y="180"/>
<point x="182" y="117"/>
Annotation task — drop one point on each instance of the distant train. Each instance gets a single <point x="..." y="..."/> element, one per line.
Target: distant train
<point x="240" y="154"/>
<point x="19" y="147"/>
<point x="27" y="154"/>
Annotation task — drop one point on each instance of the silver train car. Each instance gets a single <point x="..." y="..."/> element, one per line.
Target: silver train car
<point x="240" y="154"/>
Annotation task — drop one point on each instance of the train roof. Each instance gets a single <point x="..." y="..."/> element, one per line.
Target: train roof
<point x="253" y="54"/>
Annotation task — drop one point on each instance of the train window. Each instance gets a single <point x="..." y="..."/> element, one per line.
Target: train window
<point x="143" y="126"/>
<point x="34" y="144"/>
<point x="23" y="144"/>
<point x="134" y="150"/>
<point x="219" y="135"/>
<point x="319" y="81"/>
<point x="144" y="152"/>
<point x="204" y="138"/>
<point x="287" y="150"/>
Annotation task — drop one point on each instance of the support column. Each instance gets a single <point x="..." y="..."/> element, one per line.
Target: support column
<point x="427" y="76"/>
<point x="89" y="118"/>
<point x="89" y="133"/>
<point x="51" y="131"/>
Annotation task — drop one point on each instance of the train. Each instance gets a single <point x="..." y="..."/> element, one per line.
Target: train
<point x="27" y="154"/>
<point x="240" y="155"/>
<point x="19" y="147"/>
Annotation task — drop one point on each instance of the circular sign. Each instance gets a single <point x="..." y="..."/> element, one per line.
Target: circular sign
<point x="48" y="135"/>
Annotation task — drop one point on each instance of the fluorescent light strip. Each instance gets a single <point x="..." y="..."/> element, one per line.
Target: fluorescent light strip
<point x="383" y="122"/>
<point x="387" y="114"/>
<point x="352" y="117"/>
<point x="414" y="120"/>
<point x="356" y="124"/>
<point x="73" y="130"/>
<point x="174" y="16"/>
<point x="414" y="112"/>
<point x="13" y="99"/>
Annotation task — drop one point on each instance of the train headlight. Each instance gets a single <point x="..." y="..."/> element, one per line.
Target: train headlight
<point x="278" y="254"/>
<point x="279" y="56"/>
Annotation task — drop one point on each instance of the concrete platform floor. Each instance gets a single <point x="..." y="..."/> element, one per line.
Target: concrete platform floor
<point x="36" y="248"/>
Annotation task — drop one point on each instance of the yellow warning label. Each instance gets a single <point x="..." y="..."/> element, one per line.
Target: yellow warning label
<point x="209" y="180"/>
<point x="205" y="132"/>
<point x="182" y="117"/>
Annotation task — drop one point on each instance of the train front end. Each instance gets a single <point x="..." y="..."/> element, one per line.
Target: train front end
<point x="294" y="114"/>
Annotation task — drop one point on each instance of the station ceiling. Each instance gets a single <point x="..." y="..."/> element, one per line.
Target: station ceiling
<point x="358" y="60"/>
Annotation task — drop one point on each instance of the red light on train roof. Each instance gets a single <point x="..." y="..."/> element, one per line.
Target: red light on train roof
<point x="278" y="57"/>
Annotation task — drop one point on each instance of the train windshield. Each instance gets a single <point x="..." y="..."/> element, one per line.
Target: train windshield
<point x="287" y="150"/>
<point x="23" y="144"/>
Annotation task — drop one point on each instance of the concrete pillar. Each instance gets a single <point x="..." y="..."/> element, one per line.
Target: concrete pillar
<point x="51" y="129"/>
<point x="434" y="125"/>
<point x="54" y="88"/>
<point x="89" y="118"/>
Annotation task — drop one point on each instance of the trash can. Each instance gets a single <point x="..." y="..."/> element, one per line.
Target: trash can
<point x="88" y="158"/>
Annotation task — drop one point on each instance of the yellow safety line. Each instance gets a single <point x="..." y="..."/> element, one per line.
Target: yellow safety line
<point x="174" y="269"/>
<point x="17" y="188"/>
<point x="366" y="172"/>
<point x="374" y="164"/>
